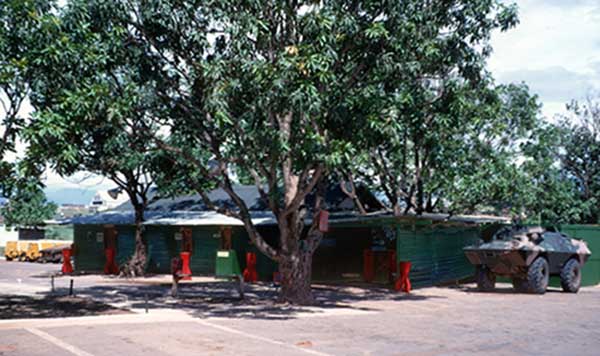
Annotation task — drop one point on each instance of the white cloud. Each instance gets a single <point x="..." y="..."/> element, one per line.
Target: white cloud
<point x="555" y="49"/>
<point x="83" y="180"/>
<point x="553" y="84"/>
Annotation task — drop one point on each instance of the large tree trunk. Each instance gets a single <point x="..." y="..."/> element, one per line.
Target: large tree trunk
<point x="296" y="273"/>
<point x="136" y="266"/>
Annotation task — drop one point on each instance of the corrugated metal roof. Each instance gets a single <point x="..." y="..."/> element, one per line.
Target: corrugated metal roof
<point x="206" y="218"/>
<point x="471" y="219"/>
<point x="177" y="218"/>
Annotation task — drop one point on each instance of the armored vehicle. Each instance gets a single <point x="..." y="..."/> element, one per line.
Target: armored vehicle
<point x="529" y="256"/>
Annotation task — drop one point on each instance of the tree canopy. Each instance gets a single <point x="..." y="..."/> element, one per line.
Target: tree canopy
<point x="22" y="35"/>
<point x="93" y="106"/>
<point x="27" y="206"/>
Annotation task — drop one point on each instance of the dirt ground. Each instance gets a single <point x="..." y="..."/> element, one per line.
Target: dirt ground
<point x="210" y="319"/>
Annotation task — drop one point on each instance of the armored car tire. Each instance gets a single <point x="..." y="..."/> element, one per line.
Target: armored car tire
<point x="570" y="276"/>
<point x="486" y="279"/>
<point x="520" y="285"/>
<point x="538" y="276"/>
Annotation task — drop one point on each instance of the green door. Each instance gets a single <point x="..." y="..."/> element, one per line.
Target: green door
<point x="159" y="252"/>
<point x="89" y="250"/>
<point x="125" y="246"/>
<point x="204" y="251"/>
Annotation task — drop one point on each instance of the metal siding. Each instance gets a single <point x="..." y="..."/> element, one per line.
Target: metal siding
<point x="265" y="267"/>
<point x="161" y="248"/>
<point x="241" y="244"/>
<point x="591" y="234"/>
<point x="89" y="253"/>
<point x="125" y="244"/>
<point x="436" y="253"/>
<point x="204" y="250"/>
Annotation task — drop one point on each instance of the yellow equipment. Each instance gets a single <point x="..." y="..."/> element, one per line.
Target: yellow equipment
<point x="11" y="250"/>
<point x="33" y="251"/>
<point x="30" y="250"/>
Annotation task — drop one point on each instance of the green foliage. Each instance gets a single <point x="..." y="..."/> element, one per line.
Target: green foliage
<point x="59" y="232"/>
<point x="577" y="147"/>
<point x="27" y="206"/>
<point x="21" y="37"/>
<point x="93" y="100"/>
<point x="441" y="135"/>
<point x="545" y="194"/>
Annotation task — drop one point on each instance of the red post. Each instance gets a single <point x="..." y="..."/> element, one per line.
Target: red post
<point x="186" y="272"/>
<point x="403" y="282"/>
<point x="368" y="266"/>
<point x="111" y="266"/>
<point x="67" y="267"/>
<point x="250" y="274"/>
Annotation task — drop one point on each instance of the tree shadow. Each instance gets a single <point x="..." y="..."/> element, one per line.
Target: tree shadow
<point x="502" y="289"/>
<point x="53" y="306"/>
<point x="222" y="299"/>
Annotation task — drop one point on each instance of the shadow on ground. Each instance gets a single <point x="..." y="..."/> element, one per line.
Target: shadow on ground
<point x="502" y="289"/>
<point x="19" y="307"/>
<point x="222" y="299"/>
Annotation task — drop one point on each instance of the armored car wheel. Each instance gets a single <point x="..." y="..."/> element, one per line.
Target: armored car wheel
<point x="520" y="285"/>
<point x="538" y="276"/>
<point x="486" y="279"/>
<point x="570" y="276"/>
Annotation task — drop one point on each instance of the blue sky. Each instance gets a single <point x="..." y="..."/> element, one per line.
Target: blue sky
<point x="555" y="49"/>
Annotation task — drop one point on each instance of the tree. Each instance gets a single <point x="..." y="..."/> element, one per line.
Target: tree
<point x="284" y="91"/>
<point x="91" y="110"/>
<point x="579" y="154"/>
<point x="21" y="34"/>
<point x="444" y="136"/>
<point x="28" y="206"/>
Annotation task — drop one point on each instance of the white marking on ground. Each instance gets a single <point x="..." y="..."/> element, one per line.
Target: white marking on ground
<point x="22" y="289"/>
<point x="260" y="338"/>
<point x="63" y="345"/>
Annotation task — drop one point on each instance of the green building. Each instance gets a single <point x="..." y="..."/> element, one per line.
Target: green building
<point x="354" y="248"/>
<point x="432" y="243"/>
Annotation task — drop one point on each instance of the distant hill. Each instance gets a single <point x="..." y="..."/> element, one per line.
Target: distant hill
<point x="61" y="195"/>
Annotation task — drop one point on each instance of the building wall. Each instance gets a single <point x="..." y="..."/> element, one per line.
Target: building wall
<point x="435" y="252"/>
<point x="591" y="234"/>
<point x="162" y="246"/>
<point x="89" y="249"/>
<point x="31" y="234"/>
<point x="340" y="254"/>
<point x="7" y="235"/>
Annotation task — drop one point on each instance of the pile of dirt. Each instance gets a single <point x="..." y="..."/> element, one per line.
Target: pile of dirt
<point x="25" y="307"/>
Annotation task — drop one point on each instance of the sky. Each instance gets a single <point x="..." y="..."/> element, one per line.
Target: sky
<point x="555" y="49"/>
